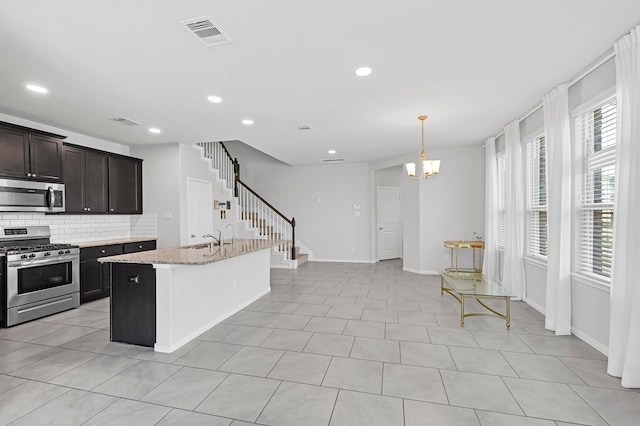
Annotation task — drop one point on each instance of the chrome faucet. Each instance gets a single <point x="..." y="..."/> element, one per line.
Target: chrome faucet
<point x="218" y="240"/>
<point x="233" y="234"/>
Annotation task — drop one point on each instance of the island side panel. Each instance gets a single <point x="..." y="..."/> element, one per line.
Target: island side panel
<point x="190" y="299"/>
<point x="133" y="304"/>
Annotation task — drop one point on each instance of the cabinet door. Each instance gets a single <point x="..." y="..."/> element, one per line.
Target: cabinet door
<point x="74" y="180"/>
<point x="133" y="304"/>
<point x="125" y="185"/>
<point x="91" y="280"/>
<point x="95" y="188"/>
<point x="14" y="146"/>
<point x="95" y="281"/>
<point x="46" y="158"/>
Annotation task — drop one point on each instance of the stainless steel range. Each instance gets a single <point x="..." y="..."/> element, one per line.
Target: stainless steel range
<point x="40" y="278"/>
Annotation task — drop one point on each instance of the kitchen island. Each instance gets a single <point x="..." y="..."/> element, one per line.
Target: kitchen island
<point x="165" y="298"/>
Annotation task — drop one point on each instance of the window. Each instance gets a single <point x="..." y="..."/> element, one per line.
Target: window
<point x="537" y="197"/>
<point x="502" y="211"/>
<point x="597" y="129"/>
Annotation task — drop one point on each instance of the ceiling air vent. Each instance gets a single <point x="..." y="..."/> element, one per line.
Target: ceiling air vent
<point x="332" y="161"/>
<point x="304" y="127"/>
<point x="124" y="121"/>
<point x="206" y="31"/>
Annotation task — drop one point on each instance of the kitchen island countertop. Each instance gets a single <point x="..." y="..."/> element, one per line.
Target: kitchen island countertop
<point x="199" y="254"/>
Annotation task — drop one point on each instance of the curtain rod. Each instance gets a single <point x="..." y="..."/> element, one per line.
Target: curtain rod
<point x="594" y="66"/>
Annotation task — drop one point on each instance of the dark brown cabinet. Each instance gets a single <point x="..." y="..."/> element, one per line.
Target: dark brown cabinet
<point x="133" y="304"/>
<point x="30" y="155"/>
<point x="85" y="181"/>
<point x="125" y="185"/>
<point x="95" y="277"/>
<point x="101" y="182"/>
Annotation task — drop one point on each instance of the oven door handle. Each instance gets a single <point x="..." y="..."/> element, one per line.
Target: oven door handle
<point x="40" y="262"/>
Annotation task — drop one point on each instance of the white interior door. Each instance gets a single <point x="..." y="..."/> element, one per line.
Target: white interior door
<point x="199" y="210"/>
<point x="389" y="223"/>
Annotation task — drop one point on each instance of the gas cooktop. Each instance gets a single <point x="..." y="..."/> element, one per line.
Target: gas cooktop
<point x="31" y="248"/>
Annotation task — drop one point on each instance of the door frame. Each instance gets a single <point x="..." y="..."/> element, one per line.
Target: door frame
<point x="377" y="216"/>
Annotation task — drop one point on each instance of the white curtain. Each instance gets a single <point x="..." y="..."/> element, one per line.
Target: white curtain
<point x="490" y="261"/>
<point x="513" y="275"/>
<point x="555" y="106"/>
<point x="624" y="324"/>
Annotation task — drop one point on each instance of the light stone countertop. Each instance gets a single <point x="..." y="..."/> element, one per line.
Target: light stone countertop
<point x="198" y="254"/>
<point x="98" y="243"/>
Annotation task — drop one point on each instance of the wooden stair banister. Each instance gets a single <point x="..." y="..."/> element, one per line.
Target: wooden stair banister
<point x="263" y="215"/>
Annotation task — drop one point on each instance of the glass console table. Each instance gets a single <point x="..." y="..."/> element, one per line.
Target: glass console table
<point x="463" y="286"/>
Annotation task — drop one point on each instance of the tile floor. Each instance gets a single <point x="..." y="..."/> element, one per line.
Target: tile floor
<point x="332" y="344"/>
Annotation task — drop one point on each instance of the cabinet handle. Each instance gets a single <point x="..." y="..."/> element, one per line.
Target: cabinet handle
<point x="140" y="246"/>
<point x="111" y="209"/>
<point x="134" y="279"/>
<point x="103" y="251"/>
<point x="88" y="209"/>
<point x="28" y="174"/>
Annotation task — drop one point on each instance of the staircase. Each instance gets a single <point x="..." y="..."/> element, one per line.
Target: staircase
<point x="261" y="220"/>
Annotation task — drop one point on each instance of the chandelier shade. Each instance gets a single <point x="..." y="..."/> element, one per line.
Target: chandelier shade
<point x="430" y="168"/>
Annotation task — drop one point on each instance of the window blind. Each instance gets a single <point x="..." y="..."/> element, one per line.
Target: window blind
<point x="537" y="237"/>
<point x="597" y="128"/>
<point x="502" y="212"/>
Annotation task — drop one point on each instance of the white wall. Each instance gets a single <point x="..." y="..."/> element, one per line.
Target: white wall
<point x="165" y="172"/>
<point x="161" y="189"/>
<point x="321" y="199"/>
<point x="452" y="206"/>
<point x="448" y="207"/>
<point x="72" y="137"/>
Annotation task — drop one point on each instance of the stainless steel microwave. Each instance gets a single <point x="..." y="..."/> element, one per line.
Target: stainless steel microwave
<point x="30" y="196"/>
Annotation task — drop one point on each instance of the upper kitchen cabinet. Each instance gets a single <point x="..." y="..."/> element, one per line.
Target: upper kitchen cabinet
<point x="29" y="154"/>
<point x="125" y="185"/>
<point x="101" y="182"/>
<point x="85" y="178"/>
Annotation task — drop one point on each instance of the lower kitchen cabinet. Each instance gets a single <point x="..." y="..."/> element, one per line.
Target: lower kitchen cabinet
<point x="95" y="277"/>
<point x="133" y="304"/>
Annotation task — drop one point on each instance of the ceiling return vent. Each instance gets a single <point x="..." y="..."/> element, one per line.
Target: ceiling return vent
<point x="304" y="127"/>
<point x="124" y="121"/>
<point x="206" y="31"/>
<point x="332" y="161"/>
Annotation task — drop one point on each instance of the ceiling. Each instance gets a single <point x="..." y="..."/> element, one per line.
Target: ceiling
<point x="470" y="65"/>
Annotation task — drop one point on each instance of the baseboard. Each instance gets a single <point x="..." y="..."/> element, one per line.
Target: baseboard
<point x="590" y="341"/>
<point x="535" y="306"/>
<point x="419" y="271"/>
<point x="342" y="261"/>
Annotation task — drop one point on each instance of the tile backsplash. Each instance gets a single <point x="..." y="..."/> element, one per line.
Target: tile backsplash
<point x="83" y="228"/>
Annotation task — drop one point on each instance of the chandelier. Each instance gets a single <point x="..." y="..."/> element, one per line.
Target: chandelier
<point x="430" y="168"/>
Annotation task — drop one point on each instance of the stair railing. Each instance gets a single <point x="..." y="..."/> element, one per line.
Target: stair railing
<point x="270" y="222"/>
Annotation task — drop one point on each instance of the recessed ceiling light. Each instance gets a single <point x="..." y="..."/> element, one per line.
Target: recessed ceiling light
<point x="215" y="99"/>
<point x="37" y="89"/>
<point x="154" y="130"/>
<point x="247" y="122"/>
<point x="363" y="71"/>
<point x="332" y="151"/>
